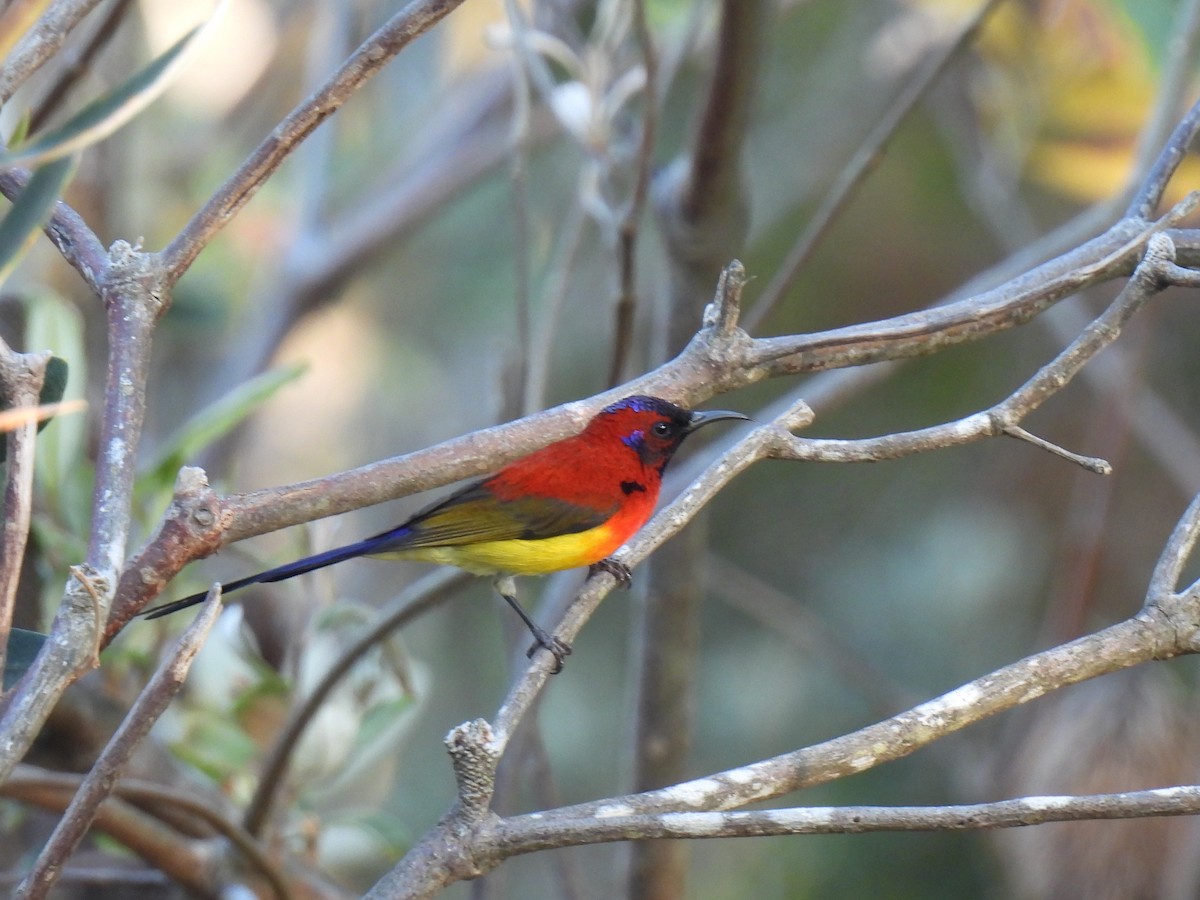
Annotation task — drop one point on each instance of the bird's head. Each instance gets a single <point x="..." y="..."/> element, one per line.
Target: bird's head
<point x="652" y="427"/>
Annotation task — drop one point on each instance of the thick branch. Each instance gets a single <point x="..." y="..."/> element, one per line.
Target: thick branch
<point x="132" y="303"/>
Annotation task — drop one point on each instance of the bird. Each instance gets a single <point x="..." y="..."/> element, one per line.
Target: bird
<point x="570" y="504"/>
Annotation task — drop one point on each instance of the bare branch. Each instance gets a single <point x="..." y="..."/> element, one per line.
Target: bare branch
<point x="78" y="64"/>
<point x="1014" y="303"/>
<point x="1002" y="418"/>
<point x="523" y="834"/>
<point x="1175" y="554"/>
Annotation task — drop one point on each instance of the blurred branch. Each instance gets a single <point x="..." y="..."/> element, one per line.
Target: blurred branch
<point x="864" y="159"/>
<point x="98" y="785"/>
<point x="1169" y="100"/>
<point x="140" y="832"/>
<point x="404" y="27"/>
<point x="700" y="200"/>
<point x="78" y="64"/>
<point x="143" y="807"/>
<point x="418" y="599"/>
<point x="627" y="228"/>
<point x="41" y="43"/>
<point x="1150" y="193"/>
<point x="791" y="619"/>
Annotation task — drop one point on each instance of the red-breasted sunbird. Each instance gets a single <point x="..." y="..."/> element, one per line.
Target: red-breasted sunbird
<point x="572" y="503"/>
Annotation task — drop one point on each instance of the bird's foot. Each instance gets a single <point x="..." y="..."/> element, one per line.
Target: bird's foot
<point x="617" y="570"/>
<point x="543" y="640"/>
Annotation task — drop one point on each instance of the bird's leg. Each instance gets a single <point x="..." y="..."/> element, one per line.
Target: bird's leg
<point x="506" y="587"/>
<point x="617" y="570"/>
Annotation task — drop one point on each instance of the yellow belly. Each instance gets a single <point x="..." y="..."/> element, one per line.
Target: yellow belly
<point x="520" y="557"/>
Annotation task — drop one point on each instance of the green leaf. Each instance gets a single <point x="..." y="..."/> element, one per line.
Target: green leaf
<point x="30" y="210"/>
<point x="23" y="648"/>
<point x="21" y="129"/>
<point x="214" y="422"/>
<point x="103" y="116"/>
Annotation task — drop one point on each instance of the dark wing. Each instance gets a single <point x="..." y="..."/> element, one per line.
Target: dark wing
<point x="474" y="515"/>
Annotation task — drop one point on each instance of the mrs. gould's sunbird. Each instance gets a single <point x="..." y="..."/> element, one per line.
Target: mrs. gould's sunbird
<point x="569" y="504"/>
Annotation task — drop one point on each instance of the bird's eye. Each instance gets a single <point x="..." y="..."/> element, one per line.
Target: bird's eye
<point x="662" y="429"/>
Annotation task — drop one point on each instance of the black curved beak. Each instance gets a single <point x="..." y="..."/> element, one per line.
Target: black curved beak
<point x="700" y="418"/>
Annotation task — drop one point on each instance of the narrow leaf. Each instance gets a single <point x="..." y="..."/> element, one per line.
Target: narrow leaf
<point x="218" y="419"/>
<point x="103" y="116"/>
<point x="30" y="210"/>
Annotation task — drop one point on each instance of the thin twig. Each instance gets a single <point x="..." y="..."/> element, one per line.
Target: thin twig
<point x="1004" y="416"/>
<point x="1175" y="554"/>
<point x="1149" y="195"/>
<point x="77" y="66"/>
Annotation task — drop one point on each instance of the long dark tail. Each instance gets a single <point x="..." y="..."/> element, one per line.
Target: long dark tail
<point x="279" y="573"/>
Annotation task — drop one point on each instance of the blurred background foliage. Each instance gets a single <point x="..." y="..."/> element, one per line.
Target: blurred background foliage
<point x="840" y="593"/>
